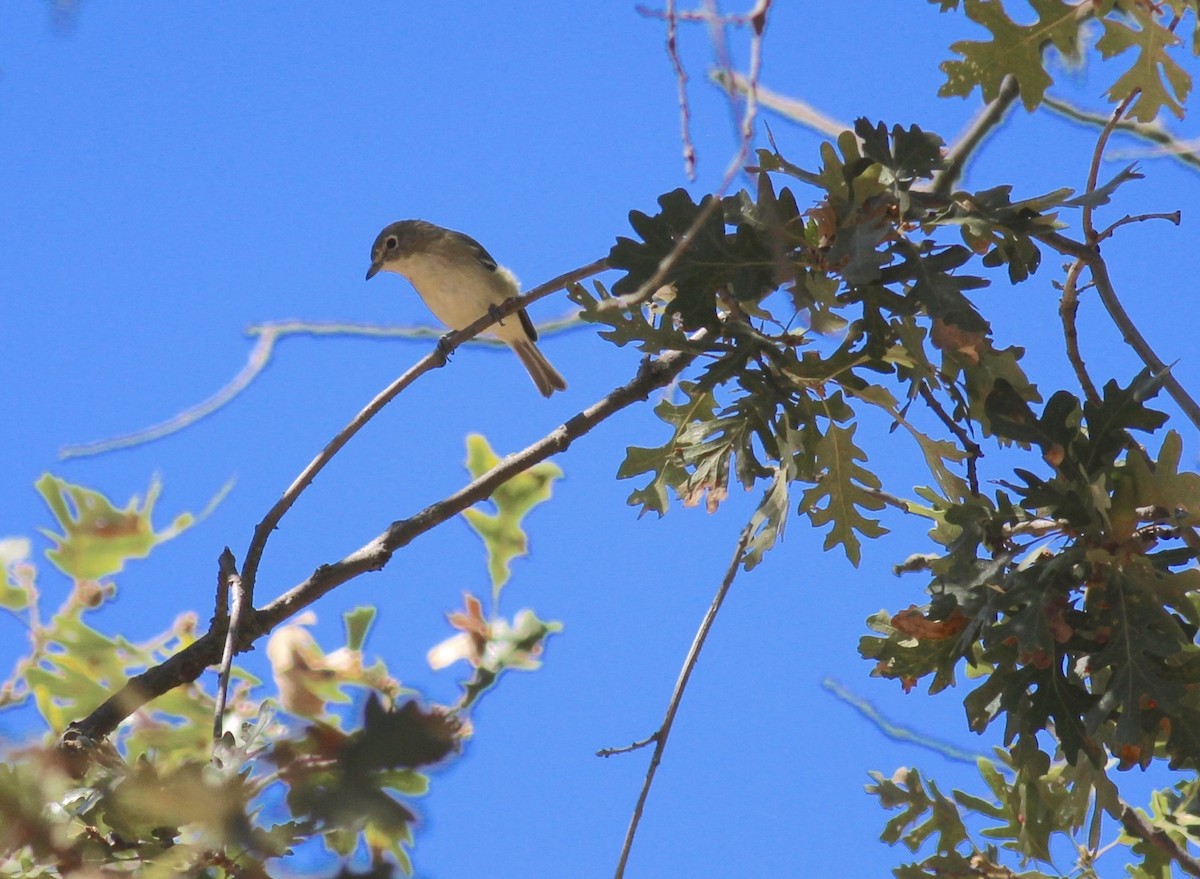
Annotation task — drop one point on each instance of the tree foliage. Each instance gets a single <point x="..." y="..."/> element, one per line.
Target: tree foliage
<point x="839" y="289"/>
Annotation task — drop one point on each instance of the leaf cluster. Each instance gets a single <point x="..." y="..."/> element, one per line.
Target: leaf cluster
<point x="160" y="796"/>
<point x="799" y="315"/>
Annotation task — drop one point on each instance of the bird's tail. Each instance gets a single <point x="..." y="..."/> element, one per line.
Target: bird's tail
<point x="545" y="376"/>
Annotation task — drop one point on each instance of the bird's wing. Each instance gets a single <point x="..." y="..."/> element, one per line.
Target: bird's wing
<point x="485" y="258"/>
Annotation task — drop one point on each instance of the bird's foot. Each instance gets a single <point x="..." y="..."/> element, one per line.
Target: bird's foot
<point x="444" y="346"/>
<point x="496" y="313"/>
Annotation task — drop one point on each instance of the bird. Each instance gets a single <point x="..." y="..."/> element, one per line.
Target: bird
<point x="460" y="282"/>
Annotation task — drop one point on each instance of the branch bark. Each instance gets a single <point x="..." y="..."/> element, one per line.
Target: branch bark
<point x="433" y="360"/>
<point x="188" y="664"/>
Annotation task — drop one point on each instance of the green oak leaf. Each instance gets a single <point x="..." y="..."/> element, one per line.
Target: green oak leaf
<point x="1144" y="77"/>
<point x="843" y="490"/>
<point x="1014" y="49"/>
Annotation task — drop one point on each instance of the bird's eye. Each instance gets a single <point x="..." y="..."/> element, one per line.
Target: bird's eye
<point x="391" y="243"/>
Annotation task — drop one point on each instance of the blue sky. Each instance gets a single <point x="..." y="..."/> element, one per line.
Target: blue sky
<point x="172" y="174"/>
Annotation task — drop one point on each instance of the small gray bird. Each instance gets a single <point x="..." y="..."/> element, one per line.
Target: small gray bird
<point x="459" y="282"/>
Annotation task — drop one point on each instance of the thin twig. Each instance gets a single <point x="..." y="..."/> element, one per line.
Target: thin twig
<point x="969" y="445"/>
<point x="434" y="359"/>
<point x="758" y="18"/>
<point x="681" y="80"/>
<point x="1129" y="332"/>
<point x="269" y="335"/>
<point x="189" y="663"/>
<point x="233" y="584"/>
<point x="628" y="749"/>
<point x="984" y="123"/>
<point x="1174" y="217"/>
<point x="1089" y="231"/>
<point x="689" y="663"/>
<point x="1150" y="131"/>
<point x="798" y="111"/>
<point x="1136" y="341"/>
<point x="1068" y="308"/>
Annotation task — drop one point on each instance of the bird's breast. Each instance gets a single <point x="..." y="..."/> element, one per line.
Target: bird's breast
<point x="458" y="294"/>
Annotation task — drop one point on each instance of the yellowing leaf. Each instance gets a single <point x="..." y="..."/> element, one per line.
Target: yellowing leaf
<point x="501" y="531"/>
<point x="97" y="537"/>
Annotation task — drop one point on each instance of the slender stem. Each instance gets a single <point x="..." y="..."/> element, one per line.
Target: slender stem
<point x="1174" y="216"/>
<point x="1135" y="340"/>
<point x="1068" y="307"/>
<point x="630" y="748"/>
<point x="233" y="584"/>
<point x="969" y="445"/>
<point x="1173" y="148"/>
<point x="435" y="358"/>
<point x="689" y="663"/>
<point x="681" y="79"/>
<point x="988" y="119"/>
<point x="1116" y="311"/>
<point x="1089" y="231"/>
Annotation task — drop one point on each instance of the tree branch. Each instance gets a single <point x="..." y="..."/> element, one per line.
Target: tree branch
<point x="664" y="731"/>
<point x="432" y="360"/>
<point x="1129" y="332"/>
<point x="1068" y="307"/>
<point x="758" y="21"/>
<point x="1108" y="797"/>
<point x="188" y="664"/>
<point x="984" y="123"/>
<point x="1172" y="147"/>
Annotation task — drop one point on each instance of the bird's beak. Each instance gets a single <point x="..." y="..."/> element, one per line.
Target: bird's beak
<point x="373" y="270"/>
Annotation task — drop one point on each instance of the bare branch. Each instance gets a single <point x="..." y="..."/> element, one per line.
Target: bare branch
<point x="681" y="79"/>
<point x="1136" y="341"/>
<point x="798" y="111"/>
<point x="269" y="335"/>
<point x="188" y="664"/>
<point x="664" y="731"/>
<point x="984" y="123"/>
<point x="1129" y="332"/>
<point x="628" y="749"/>
<point x="1068" y="307"/>
<point x="232" y="584"/>
<point x="1089" y="231"/>
<point x="434" y="359"/>
<point x="1172" y="147"/>
<point x="758" y="19"/>
<point x="1174" y="217"/>
<point x="257" y="361"/>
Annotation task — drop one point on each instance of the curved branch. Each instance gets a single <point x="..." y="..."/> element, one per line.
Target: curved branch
<point x="1068" y="308"/>
<point x="188" y="664"/>
<point x="1136" y="341"/>
<point x="1091" y="257"/>
<point x="269" y="335"/>
<point x="432" y="360"/>
<point x="1172" y="147"/>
